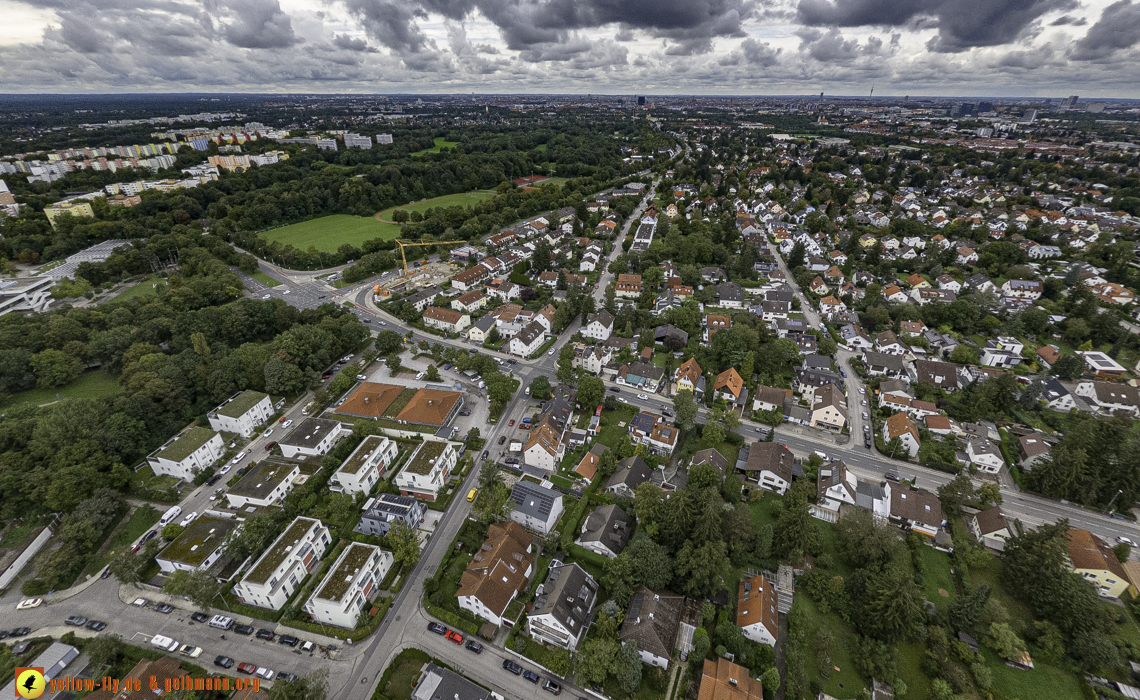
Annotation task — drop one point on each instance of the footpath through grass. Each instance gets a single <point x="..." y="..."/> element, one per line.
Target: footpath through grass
<point x="90" y="386"/>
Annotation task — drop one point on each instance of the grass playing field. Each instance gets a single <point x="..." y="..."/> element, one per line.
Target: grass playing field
<point x="331" y="232"/>
<point x="90" y="386"/>
<point x="440" y="142"/>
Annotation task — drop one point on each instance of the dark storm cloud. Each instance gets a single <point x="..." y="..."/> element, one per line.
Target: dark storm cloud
<point x="392" y="24"/>
<point x="831" y="47"/>
<point x="962" y="24"/>
<point x="259" y="24"/>
<point x="1118" y="28"/>
<point x="344" y="41"/>
<point x="1069" y="20"/>
<point x="753" y="53"/>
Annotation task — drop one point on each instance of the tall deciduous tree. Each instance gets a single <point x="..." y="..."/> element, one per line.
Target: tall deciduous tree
<point x="685" y="409"/>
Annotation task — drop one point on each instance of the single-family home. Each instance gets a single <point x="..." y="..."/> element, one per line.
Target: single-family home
<point x="562" y="613"/>
<point x="771" y="465"/>
<point x="606" y="531"/>
<point x="498" y="572"/>
<point x="990" y="528"/>
<point x="902" y="427"/>
<point x="835" y="486"/>
<point x="598" y="326"/>
<point x="1109" y="397"/>
<point x="828" y="410"/>
<point x="757" y="613"/>
<point x="1031" y="449"/>
<point x="528" y="340"/>
<point x="652" y="622"/>
<point x="628" y="286"/>
<point x="916" y="509"/>
<point x="1093" y="559"/>
<point x="689" y="376"/>
<point x="536" y="508"/>
<point x="984" y="455"/>
<point x="630" y="473"/>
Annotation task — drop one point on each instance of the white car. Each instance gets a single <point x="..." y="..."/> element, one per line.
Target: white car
<point x="189" y="519"/>
<point x="862" y="390"/>
<point x="285" y="292"/>
<point x="865" y="415"/>
<point x="266" y="673"/>
<point x="643" y="397"/>
<point x="287" y="423"/>
<point x="29" y="603"/>
<point x="346" y="358"/>
<point x="190" y="650"/>
<point x="264" y="296"/>
<point x="226" y="468"/>
<point x="1124" y="540"/>
<point x="382" y="323"/>
<point x="239" y="458"/>
<point x="362" y="377"/>
<point x="268" y="432"/>
<point x="550" y="353"/>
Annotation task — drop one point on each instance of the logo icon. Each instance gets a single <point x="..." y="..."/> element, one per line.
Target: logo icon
<point x="30" y="683"/>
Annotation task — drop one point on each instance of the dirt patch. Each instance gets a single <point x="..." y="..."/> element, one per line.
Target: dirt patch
<point x="943" y="592"/>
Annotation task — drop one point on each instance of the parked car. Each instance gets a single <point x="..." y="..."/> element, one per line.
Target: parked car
<point x="246" y="668"/>
<point x="643" y="397"/>
<point x="287" y="423"/>
<point x="362" y="377"/>
<point x="96" y="625"/>
<point x="308" y="647"/>
<point x="29" y="603"/>
<point x="530" y="676"/>
<point x="552" y="687"/>
<point x="164" y="608"/>
<point x="511" y="666"/>
<point x="511" y="460"/>
<point x="199" y="617"/>
<point x="454" y="636"/>
<point x="270" y="445"/>
<point x="436" y="628"/>
<point x="190" y="650"/>
<point x="266" y="673"/>
<point x="76" y="621"/>
<point x="486" y="453"/>
<point x="223" y="662"/>
<point x="288" y="639"/>
<point x="1124" y="540"/>
<point x="474" y="646"/>
<point x="265" y="634"/>
<point x="502" y="439"/>
<point x="245" y="630"/>
<point x="19" y="632"/>
<point x="511" y="423"/>
<point x="615" y="389"/>
<point x="283" y="676"/>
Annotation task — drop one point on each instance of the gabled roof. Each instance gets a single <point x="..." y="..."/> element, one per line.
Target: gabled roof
<point x="498" y="570"/>
<point x="756" y="603"/>
<point x="631" y="471"/>
<point x="652" y="621"/>
<point x="731" y="380"/>
<point x="991" y="520"/>
<point x="772" y="457"/>
<point x="900" y="424"/>
<point x="609" y="526"/>
<point x="1087" y="551"/>
<point x="690" y="370"/>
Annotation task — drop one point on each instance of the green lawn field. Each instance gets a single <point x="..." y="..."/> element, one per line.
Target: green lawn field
<point x="440" y="142"/>
<point x="144" y="288"/>
<point x="90" y="386"/>
<point x="448" y="200"/>
<point x="328" y="233"/>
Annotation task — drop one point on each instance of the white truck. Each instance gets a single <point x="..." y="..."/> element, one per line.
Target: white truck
<point x="164" y="643"/>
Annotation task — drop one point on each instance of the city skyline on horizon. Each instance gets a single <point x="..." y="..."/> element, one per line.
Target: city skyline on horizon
<point x="1003" y="49"/>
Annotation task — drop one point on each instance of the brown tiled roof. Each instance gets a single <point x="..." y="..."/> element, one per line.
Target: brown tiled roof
<point x="899" y="424"/>
<point x="506" y="313"/>
<point x="756" y="602"/>
<point x="991" y="520"/>
<point x="771" y="456"/>
<point x="471" y="297"/>
<point x="1049" y="353"/>
<point x="1087" y="551"/>
<point x="690" y="369"/>
<point x="729" y="379"/>
<point x="160" y="669"/>
<point x="429" y="407"/>
<point x="588" y="467"/>
<point x="498" y="570"/>
<point x="544" y="436"/>
<point x="652" y="621"/>
<point x="916" y="505"/>
<point x="938" y="423"/>
<point x="1032" y="445"/>
<point x="444" y="315"/>
<point x="370" y="399"/>
<point x="772" y="395"/>
<point x="724" y="680"/>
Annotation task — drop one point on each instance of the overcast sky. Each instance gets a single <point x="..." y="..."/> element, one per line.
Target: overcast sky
<point x="1046" y="48"/>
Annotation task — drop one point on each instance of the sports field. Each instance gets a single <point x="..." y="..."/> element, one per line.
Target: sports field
<point x="440" y="142"/>
<point x="331" y="232"/>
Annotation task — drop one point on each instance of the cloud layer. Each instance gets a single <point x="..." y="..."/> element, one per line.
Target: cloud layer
<point x="1022" y="47"/>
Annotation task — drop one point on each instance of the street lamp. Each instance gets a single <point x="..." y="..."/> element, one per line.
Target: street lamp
<point x="1109" y="509"/>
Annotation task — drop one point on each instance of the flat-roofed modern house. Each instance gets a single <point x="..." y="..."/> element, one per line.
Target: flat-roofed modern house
<point x="266" y="482"/>
<point x="498" y="572"/>
<point x="1101" y="366"/>
<point x="313" y="437"/>
<point x="438" y="683"/>
<point x="536" y="508"/>
<point x="242" y="413"/>
<point x="186" y="454"/>
<point x="562" y="612"/>
<point x="427" y="470"/>
<point x="198" y="547"/>
<point x="365" y="466"/>
<point x="384" y="510"/>
<point x="351" y="584"/>
<point x="284" y="566"/>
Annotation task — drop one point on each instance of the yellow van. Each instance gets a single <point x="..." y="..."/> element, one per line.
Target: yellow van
<point x="471" y="495"/>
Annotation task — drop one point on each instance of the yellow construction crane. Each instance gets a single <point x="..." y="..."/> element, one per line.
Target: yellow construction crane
<point x="403" y="245"/>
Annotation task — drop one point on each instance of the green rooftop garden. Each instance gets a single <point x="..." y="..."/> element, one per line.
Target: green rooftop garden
<point x="424" y="461"/>
<point x="342" y="576"/>
<point x="200" y="538"/>
<point x="357" y="459"/>
<point x="277" y="553"/>
<point x="244" y="401"/>
<point x="186" y="444"/>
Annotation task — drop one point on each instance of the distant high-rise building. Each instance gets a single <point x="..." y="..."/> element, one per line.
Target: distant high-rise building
<point x="1069" y="103"/>
<point x="357" y="141"/>
<point x="641" y="100"/>
<point x="1030" y="117"/>
<point x="383" y="139"/>
<point x="985" y="107"/>
<point x="621" y="103"/>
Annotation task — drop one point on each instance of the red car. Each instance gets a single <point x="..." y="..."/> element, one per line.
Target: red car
<point x="270" y="446"/>
<point x="247" y="669"/>
<point x="511" y="423"/>
<point x="454" y="636"/>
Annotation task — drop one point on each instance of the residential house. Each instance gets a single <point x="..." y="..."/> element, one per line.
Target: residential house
<point x="528" y="340"/>
<point x="990" y="528"/>
<point x="828" y="410"/>
<point x="730" y="295"/>
<point x="769" y="398"/>
<point x="984" y="455"/>
<point x="536" y="508"/>
<point x="606" y="531"/>
<point x="482" y="328"/>
<point x="1023" y="289"/>
<point x="562" y="612"/>
<point x="966" y="256"/>
<point x="902" y="427"/>
<point x="729" y="385"/>
<point x="770" y="464"/>
<point x="365" y="466"/>
<point x="199" y="546"/>
<point x="940" y="374"/>
<point x="689" y="376"/>
<point x="498" y="573"/>
<point x="875" y="498"/>
<point x="1031" y="449"/>
<point x="592" y="358"/>
<point x="188" y="453"/>
<point x="630" y="473"/>
<point x="628" y="286"/>
<point x="313" y="437"/>
<point x="382" y="511"/>
<point x="949" y="283"/>
<point x="598" y="326"/>
<point x="266" y="482"/>
<point x="471" y="301"/>
<point x="835" y="486"/>
<point x="916" y="509"/>
<point x="652" y="622"/>
<point x="640" y="375"/>
<point x="1109" y="397"/>
<point x="757" y="614"/>
<point x="912" y="329"/>
<point x="880" y="364"/>
<point x="352" y="583"/>
<point x="829" y="305"/>
<point x="242" y="413"/>
<point x="1003" y="351"/>
<point x="588" y="467"/>
<point x="887" y="342"/>
<point x="713" y="458"/>
<point x="714" y="323"/>
<point x="1057" y="397"/>
<point x="1092" y="558"/>
<point x="283" y="567"/>
<point x="1049" y="355"/>
<point x="1102" y="367"/>
<point x="724" y="680"/>
<point x="423" y="298"/>
<point x="426" y="472"/>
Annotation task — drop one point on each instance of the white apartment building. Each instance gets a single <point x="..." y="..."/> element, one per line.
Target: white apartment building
<point x="187" y="453"/>
<point x="267" y="482"/>
<point x="313" y="437"/>
<point x="284" y="566"/>
<point x="365" y="466"/>
<point x="427" y="470"/>
<point x="351" y="584"/>
<point x="242" y="413"/>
